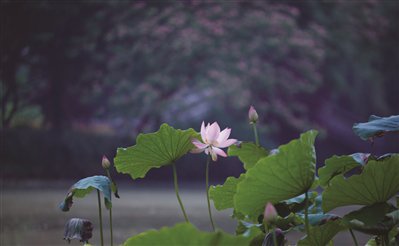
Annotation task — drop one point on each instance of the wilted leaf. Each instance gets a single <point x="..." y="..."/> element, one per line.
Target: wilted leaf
<point x="185" y="234"/>
<point x="222" y="195"/>
<point x="278" y="177"/>
<point x="80" y="229"/>
<point x="154" y="150"/>
<point x="376" y="126"/>
<point x="248" y="153"/>
<point x="84" y="187"/>
<point x="377" y="183"/>
<point x="340" y="165"/>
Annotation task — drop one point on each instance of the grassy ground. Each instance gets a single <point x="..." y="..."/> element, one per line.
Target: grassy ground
<point x="31" y="216"/>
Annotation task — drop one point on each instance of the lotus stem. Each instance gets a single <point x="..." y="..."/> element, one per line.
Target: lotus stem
<point x="110" y="226"/>
<point x="306" y="214"/>
<point x="177" y="192"/>
<point x="274" y="236"/>
<point x="207" y="191"/>
<point x="353" y="237"/>
<point x="110" y="215"/>
<point x="256" y="133"/>
<point x="101" y="218"/>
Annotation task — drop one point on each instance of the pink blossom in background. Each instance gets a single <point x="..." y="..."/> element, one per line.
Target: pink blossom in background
<point x="213" y="140"/>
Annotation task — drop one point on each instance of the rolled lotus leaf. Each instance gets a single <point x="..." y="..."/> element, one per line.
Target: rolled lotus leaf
<point x="76" y="228"/>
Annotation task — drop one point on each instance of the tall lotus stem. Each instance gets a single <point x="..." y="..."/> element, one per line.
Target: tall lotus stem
<point x="306" y="214"/>
<point x="177" y="192"/>
<point x="274" y="236"/>
<point x="256" y="134"/>
<point x="110" y="215"/>
<point x="101" y="218"/>
<point x="207" y="191"/>
<point x="353" y="237"/>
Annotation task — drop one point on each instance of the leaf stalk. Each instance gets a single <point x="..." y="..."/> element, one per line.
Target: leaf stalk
<point x="101" y="218"/>
<point x="177" y="192"/>
<point x="207" y="191"/>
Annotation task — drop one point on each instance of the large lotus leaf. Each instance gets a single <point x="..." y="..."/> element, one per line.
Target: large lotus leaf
<point x="248" y="153"/>
<point x="377" y="183"/>
<point x="376" y="219"/>
<point x="85" y="186"/>
<point x="340" y="165"/>
<point x="222" y="195"/>
<point x="322" y="235"/>
<point x="278" y="177"/>
<point x="376" y="126"/>
<point x="185" y="234"/>
<point x="154" y="150"/>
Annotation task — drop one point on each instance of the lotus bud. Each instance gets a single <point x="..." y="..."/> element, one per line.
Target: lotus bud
<point x="105" y="162"/>
<point x="270" y="214"/>
<point x="80" y="229"/>
<point x="252" y="115"/>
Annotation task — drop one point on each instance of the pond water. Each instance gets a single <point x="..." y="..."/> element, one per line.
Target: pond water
<point x="32" y="217"/>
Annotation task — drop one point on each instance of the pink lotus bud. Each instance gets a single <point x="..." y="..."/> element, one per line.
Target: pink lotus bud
<point x="252" y="115"/>
<point x="270" y="214"/>
<point x="105" y="162"/>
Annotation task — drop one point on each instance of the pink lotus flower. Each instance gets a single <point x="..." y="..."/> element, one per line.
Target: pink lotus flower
<point x="270" y="213"/>
<point x="213" y="140"/>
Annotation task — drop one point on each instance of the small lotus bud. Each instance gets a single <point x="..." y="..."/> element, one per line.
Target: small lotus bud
<point x="270" y="214"/>
<point x="105" y="162"/>
<point x="252" y="115"/>
<point x="80" y="229"/>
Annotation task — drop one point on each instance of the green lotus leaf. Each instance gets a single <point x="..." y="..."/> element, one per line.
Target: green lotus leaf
<point x="376" y="126"/>
<point x="371" y="242"/>
<point x="322" y="235"/>
<point x="222" y="195"/>
<point x="85" y="186"/>
<point x="154" y="150"/>
<point x="320" y="218"/>
<point x="248" y="153"/>
<point x="185" y="234"/>
<point x="340" y="165"/>
<point x="376" y="219"/>
<point x="278" y="177"/>
<point x="296" y="204"/>
<point x="315" y="207"/>
<point x="290" y="221"/>
<point x="377" y="183"/>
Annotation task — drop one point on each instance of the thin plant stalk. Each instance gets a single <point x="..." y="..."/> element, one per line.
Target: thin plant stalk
<point x="353" y="237"/>
<point x="177" y="192"/>
<point x="207" y="191"/>
<point x="101" y="218"/>
<point x="110" y="226"/>
<point x="306" y="214"/>
<point x="255" y="133"/>
<point x="110" y="215"/>
<point x="274" y="236"/>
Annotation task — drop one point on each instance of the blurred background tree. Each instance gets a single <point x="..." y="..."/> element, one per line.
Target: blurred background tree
<point x="73" y="72"/>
